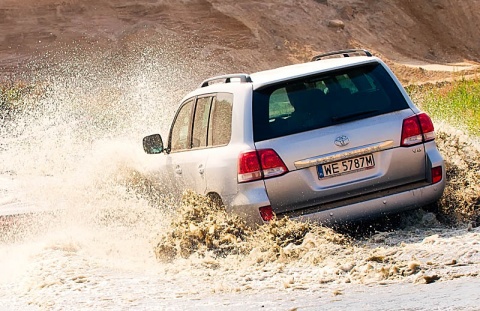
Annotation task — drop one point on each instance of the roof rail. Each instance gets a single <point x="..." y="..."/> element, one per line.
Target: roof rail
<point x="243" y="77"/>
<point x="342" y="53"/>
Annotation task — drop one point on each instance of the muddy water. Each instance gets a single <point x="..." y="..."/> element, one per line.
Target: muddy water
<point x="105" y="235"/>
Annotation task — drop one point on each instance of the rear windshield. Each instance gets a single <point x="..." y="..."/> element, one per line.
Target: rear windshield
<point x="322" y="100"/>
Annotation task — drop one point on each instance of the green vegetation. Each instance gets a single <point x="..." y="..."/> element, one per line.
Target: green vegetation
<point x="14" y="98"/>
<point x="10" y="95"/>
<point x="457" y="103"/>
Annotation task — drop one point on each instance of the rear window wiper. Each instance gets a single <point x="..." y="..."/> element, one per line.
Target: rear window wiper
<point x="353" y="115"/>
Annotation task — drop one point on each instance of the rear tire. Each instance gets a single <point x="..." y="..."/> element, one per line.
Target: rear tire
<point x="216" y="200"/>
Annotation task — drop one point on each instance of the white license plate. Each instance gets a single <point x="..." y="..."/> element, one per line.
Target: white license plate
<point x="347" y="166"/>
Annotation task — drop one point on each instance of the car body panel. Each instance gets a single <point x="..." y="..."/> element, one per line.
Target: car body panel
<point x="188" y="167"/>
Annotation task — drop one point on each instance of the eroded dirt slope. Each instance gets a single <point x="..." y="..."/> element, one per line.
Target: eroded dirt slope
<point x="242" y="35"/>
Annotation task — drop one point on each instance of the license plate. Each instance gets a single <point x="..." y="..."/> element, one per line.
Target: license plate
<point x="347" y="166"/>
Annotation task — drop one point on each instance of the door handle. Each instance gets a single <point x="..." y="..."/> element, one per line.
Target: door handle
<point x="201" y="169"/>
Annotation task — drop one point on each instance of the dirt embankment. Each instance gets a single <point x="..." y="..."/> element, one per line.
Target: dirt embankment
<point x="239" y="35"/>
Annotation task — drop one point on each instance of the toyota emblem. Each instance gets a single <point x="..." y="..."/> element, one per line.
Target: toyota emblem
<point x="342" y="141"/>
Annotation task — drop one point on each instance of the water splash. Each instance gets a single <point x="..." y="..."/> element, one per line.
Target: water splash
<point x="73" y="148"/>
<point x="461" y="200"/>
<point x="75" y="151"/>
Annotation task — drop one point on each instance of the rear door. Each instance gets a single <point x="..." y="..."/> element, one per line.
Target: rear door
<point x="188" y="162"/>
<point x="199" y="139"/>
<point x="338" y="134"/>
<point x="220" y="170"/>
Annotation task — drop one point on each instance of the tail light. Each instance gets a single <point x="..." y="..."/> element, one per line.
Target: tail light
<point x="436" y="174"/>
<point x="427" y="127"/>
<point x="266" y="213"/>
<point x="249" y="167"/>
<point x="263" y="163"/>
<point x="417" y="129"/>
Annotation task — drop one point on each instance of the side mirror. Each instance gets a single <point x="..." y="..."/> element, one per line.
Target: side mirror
<point x="153" y="144"/>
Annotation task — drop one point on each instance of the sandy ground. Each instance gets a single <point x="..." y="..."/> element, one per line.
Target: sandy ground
<point x="241" y="36"/>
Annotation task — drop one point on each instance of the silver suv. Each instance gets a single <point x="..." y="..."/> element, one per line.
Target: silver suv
<point x="332" y="140"/>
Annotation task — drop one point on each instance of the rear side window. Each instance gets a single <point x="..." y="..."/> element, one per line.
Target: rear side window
<point x="203" y="122"/>
<point x="324" y="100"/>
<point x="220" y="129"/>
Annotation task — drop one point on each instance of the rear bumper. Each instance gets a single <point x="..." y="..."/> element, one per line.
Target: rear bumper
<point x="247" y="201"/>
<point x="394" y="203"/>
